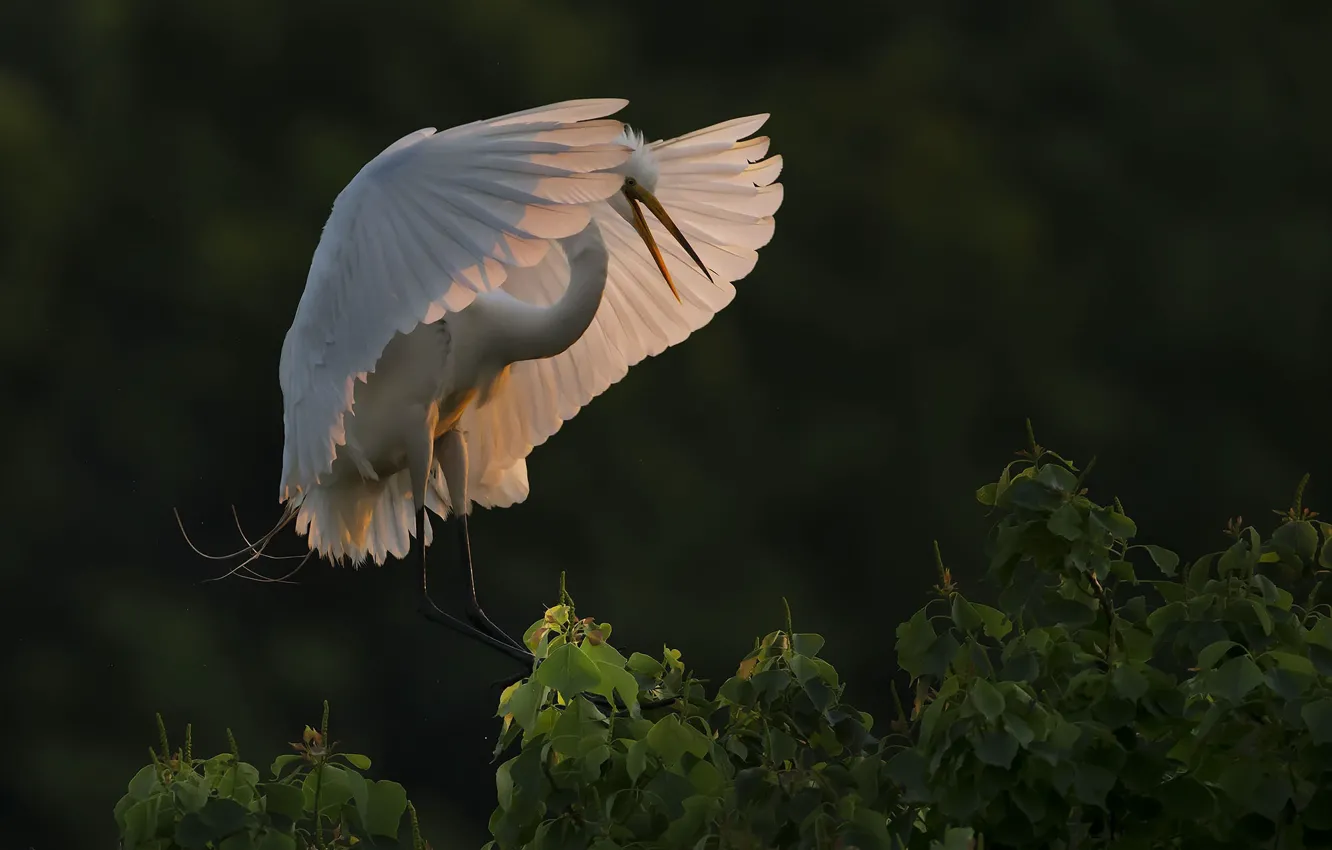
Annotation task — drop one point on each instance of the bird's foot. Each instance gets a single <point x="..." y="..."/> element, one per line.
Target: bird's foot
<point x="483" y="624"/>
<point x="509" y="647"/>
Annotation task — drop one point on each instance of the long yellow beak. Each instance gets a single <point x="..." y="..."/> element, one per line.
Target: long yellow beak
<point x="636" y="194"/>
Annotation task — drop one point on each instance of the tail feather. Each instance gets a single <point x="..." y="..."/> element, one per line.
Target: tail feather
<point x="364" y="521"/>
<point x="370" y="520"/>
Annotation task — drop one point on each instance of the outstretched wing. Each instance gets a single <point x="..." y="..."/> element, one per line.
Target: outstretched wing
<point x="424" y="226"/>
<point x="721" y="193"/>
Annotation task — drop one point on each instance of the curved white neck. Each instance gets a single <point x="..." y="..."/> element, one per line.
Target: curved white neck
<point x="522" y="331"/>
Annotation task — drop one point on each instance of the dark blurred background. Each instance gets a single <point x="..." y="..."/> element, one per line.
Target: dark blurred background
<point x="1112" y="217"/>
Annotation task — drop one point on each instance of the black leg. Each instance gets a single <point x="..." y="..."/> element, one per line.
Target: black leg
<point x="477" y="616"/>
<point x="431" y="611"/>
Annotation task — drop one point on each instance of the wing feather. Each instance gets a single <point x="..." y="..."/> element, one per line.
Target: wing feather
<point x="432" y="220"/>
<point x="721" y="193"/>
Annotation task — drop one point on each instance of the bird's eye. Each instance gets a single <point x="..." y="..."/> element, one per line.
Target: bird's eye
<point x="629" y="181"/>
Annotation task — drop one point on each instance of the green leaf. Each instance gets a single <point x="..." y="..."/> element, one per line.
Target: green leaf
<point x="223" y="817"/>
<point x="579" y="727"/>
<point x="192" y="833"/>
<point x="1199" y="573"/>
<point x="388" y="800"/>
<point x="1128" y="682"/>
<point x="525" y="703"/>
<point x="865" y="772"/>
<point x="330" y="784"/>
<point x="940" y="655"/>
<point x="360" y="792"/>
<point x="1030" y="495"/>
<point x="504" y="784"/>
<point x="1065" y="735"/>
<point x="671" y="789"/>
<point x="1239" y="781"/>
<point x="1030" y="801"/>
<point x="190" y="792"/>
<point x="239" y="782"/>
<point x="646" y="666"/>
<point x="769" y="684"/>
<point x="1237" y="559"/>
<point x="282" y="761"/>
<point x="1066" y="522"/>
<point x="737" y="691"/>
<point x="1321" y="658"/>
<point x="670" y="739"/>
<point x="1290" y="661"/>
<point x="826" y="672"/>
<point x="803" y="668"/>
<point x="636" y="761"/>
<point x="706" y="778"/>
<point x="908" y="769"/>
<point x="1317" y="716"/>
<point x="1166" y="561"/>
<point x="807" y="644"/>
<point x="1234" y="679"/>
<point x="966" y="617"/>
<point x="145" y="783"/>
<point x="1214" y="652"/>
<point x="914" y="638"/>
<point x="985" y="495"/>
<point x="617" y="680"/>
<point x="1320" y="634"/>
<point x="1022" y="667"/>
<point x="959" y="799"/>
<point x="781" y="746"/>
<point x="119" y="811"/>
<point x="1271" y="793"/>
<point x="1070" y="613"/>
<point x="1092" y="782"/>
<point x="591" y="762"/>
<point x="603" y="653"/>
<point x="987" y="699"/>
<point x="868" y="830"/>
<point x="1057" y="478"/>
<point x="1264" y="618"/>
<point x="1118" y="524"/>
<point x="237" y="841"/>
<point x="997" y="624"/>
<point x="1019" y="729"/>
<point x="1162" y="617"/>
<point x="1124" y="571"/>
<point x="141" y="821"/>
<point x="568" y="670"/>
<point x="1299" y="536"/>
<point x="997" y="748"/>
<point x="357" y="760"/>
<point x="286" y="800"/>
<point x="1271" y="593"/>
<point x="274" y="840"/>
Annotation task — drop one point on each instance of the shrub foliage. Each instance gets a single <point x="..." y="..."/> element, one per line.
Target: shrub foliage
<point x="179" y="801"/>
<point x="1113" y="695"/>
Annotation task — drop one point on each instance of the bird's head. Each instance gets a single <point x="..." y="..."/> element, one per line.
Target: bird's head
<point x="640" y="179"/>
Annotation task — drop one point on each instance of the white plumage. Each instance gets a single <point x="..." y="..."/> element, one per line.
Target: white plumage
<point x="454" y="316"/>
<point x="721" y="193"/>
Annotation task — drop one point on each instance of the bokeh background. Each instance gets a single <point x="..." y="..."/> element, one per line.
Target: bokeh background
<point x="1112" y="217"/>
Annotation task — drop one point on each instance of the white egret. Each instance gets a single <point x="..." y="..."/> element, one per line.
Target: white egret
<point x="473" y="289"/>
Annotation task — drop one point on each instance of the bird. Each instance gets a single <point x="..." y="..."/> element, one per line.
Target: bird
<point x="473" y="289"/>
